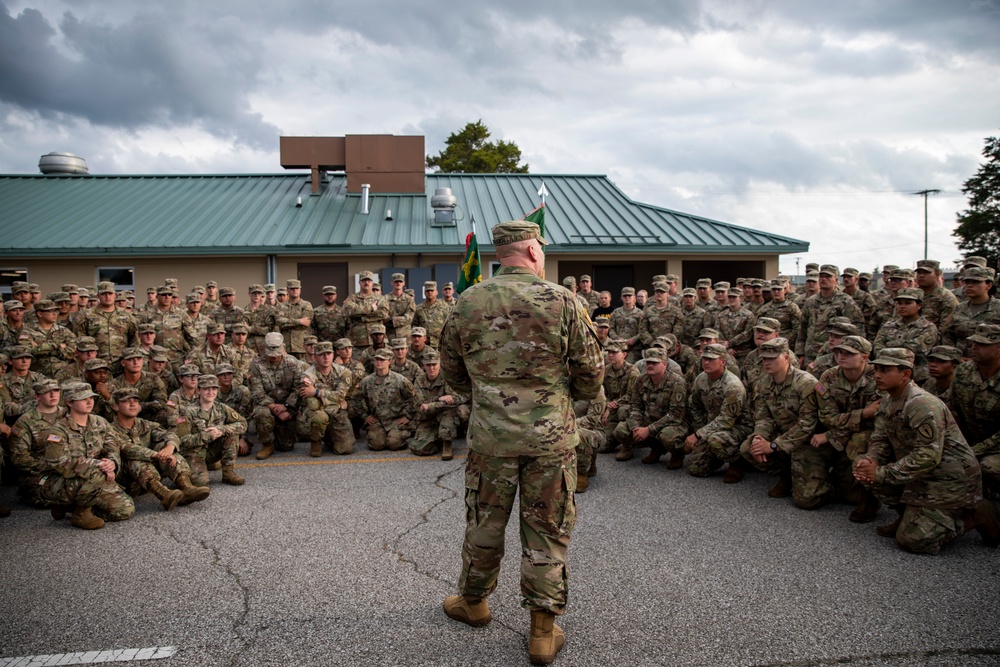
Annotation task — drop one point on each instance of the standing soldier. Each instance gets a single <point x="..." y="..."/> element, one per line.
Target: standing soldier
<point x="978" y="308"/>
<point x="431" y="314"/>
<point x="657" y="414"/>
<point x="660" y="317"/>
<point x="169" y="325"/>
<point x="323" y="396"/>
<point x="440" y="412"/>
<point x="448" y="294"/>
<point x="260" y="319"/>
<point x="703" y="288"/>
<point x="588" y="293"/>
<point x="866" y="302"/>
<point x="211" y="300"/>
<point x="817" y="311"/>
<point x="736" y="325"/>
<point x="215" y="434"/>
<point x="52" y="344"/>
<point x="695" y="317"/>
<point x="294" y="319"/>
<point x="194" y="324"/>
<point x="19" y="382"/>
<point x="363" y="310"/>
<point x="939" y="303"/>
<point x="228" y="313"/>
<point x="328" y="318"/>
<point x="13" y="331"/>
<point x="400" y="307"/>
<point x="781" y="309"/>
<point x="625" y="325"/>
<point x="243" y="354"/>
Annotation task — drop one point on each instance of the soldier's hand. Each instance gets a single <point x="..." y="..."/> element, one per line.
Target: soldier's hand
<point x="447" y="399"/>
<point x="690" y="442"/>
<point x="424" y="407"/>
<point x="214" y="432"/>
<point x="818" y="440"/>
<point x="402" y="421"/>
<point x="370" y="420"/>
<point x="760" y="448"/>
<point x="871" y="409"/>
<point x="244" y="447"/>
<point x="4" y="429"/>
<point x="640" y="433"/>
<point x="276" y="409"/>
<point x="864" y="470"/>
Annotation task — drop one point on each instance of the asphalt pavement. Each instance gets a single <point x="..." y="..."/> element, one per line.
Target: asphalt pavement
<point x="345" y="561"/>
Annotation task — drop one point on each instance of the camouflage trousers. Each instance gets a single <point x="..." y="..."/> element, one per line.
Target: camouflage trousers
<point x="222" y="450"/>
<point x="136" y="475"/>
<point x="922" y="530"/>
<point x="778" y="463"/>
<point x="327" y="425"/>
<point x="430" y="430"/>
<point x="815" y="473"/>
<point x="90" y="489"/>
<point x="670" y="439"/>
<point x="547" y="518"/>
<point x="281" y="434"/>
<point x="710" y="453"/>
<point x="392" y="436"/>
<point x="591" y="441"/>
<point x="990" y="465"/>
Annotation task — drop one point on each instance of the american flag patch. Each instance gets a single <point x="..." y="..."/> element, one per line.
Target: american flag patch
<point x="820" y="389"/>
<point x="54" y="438"/>
<point x="171" y="404"/>
<point x="181" y="420"/>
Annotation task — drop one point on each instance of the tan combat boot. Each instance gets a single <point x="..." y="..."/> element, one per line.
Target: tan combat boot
<point x="983" y="518"/>
<point x="546" y="638"/>
<point x="782" y="488"/>
<point x="84" y="518"/>
<point x="168" y="497"/>
<point x="192" y="493"/>
<point x="215" y="466"/>
<point x="676" y="461"/>
<point x="469" y="610"/>
<point x="624" y="453"/>
<point x="889" y="529"/>
<point x="734" y="473"/>
<point x="655" y="452"/>
<point x="229" y="476"/>
<point x="316" y="449"/>
<point x="582" y="482"/>
<point x="446" y="453"/>
<point x="265" y="451"/>
<point x="867" y="509"/>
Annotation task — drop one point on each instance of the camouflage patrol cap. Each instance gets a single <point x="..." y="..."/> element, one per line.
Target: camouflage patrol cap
<point x="854" y="344"/>
<point x="255" y="289"/>
<point x="187" y="370"/>
<point x="757" y="282"/>
<point x="193" y="297"/>
<point x="614" y="346"/>
<point x="227" y="291"/>
<point x="418" y="331"/>
<point x="842" y="326"/>
<point x="911" y="293"/>
<point x="708" y="332"/>
<point x="399" y="344"/>
<point x="768" y="324"/>
<point x="13" y="304"/>
<point x="398" y="278"/>
<point x="628" y="291"/>
<point x="310" y="340"/>
<point x="120" y="297"/>
<point x="170" y="281"/>
<point x="200" y="289"/>
<point x="366" y="275"/>
<point x="83" y="292"/>
<point x="654" y="355"/>
<point x="986" y="334"/>
<point x="96" y="364"/>
<point x="377" y="329"/>
<point x="602" y="323"/>
<point x="269" y="287"/>
<point x="124" y="393"/>
<point x="4" y="359"/>
<point x="765" y="286"/>
<point x="689" y="291"/>
<point x="449" y="285"/>
<point x="215" y="328"/>
<point x="77" y="391"/>
<point x="864" y="275"/>
<point x="928" y="265"/>
<point x="211" y="283"/>
<point x="86" y="344"/>
<point x="382" y="353"/>
<point x="208" y="382"/>
<point x="431" y="357"/>
<point x="974" y="273"/>
<point x="673" y="278"/>
<point x="740" y="281"/>
<point x="812" y="276"/>
<point x="343" y="343"/>
<point x="322" y="347"/>
<point x="778" y="282"/>
<point x="19" y="286"/>
<point x="659" y="278"/>
<point x="430" y="284"/>
<point x="150" y="290"/>
<point x="282" y="290"/>
<point x="812" y="266"/>
<point x="704" y="282"/>
<point x="410" y="291"/>
<point x="45" y="385"/>
<point x="974" y="260"/>
<point x="20" y="352"/>
<point x="516" y="230"/>
<point x="224" y="368"/>
<point x="773" y="348"/>
<point x="60" y="297"/>
<point x="240" y="328"/>
<point x="133" y="353"/>
<point x="585" y="279"/>
<point x="70" y="288"/>
<point x="661" y="287"/>
<point x="164" y="290"/>
<point x="329" y="289"/>
<point x="569" y="281"/>
<point x="35" y="288"/>
<point x="945" y="353"/>
<point x="735" y="292"/>
<point x="105" y="287"/>
<point x="714" y="351"/>
<point x="156" y="353"/>
<point x="721" y="286"/>
<point x="902" y="274"/>
<point x="45" y="305"/>
<point x="273" y="341"/>
<point x="850" y="271"/>
<point x="668" y="341"/>
<point x="894" y="356"/>
<point x="829" y="270"/>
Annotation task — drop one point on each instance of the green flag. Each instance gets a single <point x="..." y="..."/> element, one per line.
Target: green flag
<point x="472" y="271"/>
<point x="538" y="217"/>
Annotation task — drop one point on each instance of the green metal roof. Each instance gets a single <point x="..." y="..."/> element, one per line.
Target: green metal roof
<point x="257" y="214"/>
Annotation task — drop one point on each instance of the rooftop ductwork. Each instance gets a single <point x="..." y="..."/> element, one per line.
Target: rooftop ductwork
<point x="62" y="163"/>
<point x="443" y="202"/>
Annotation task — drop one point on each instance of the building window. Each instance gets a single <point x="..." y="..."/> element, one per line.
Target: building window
<point x="8" y="277"/>
<point x="122" y="276"/>
<point x="493" y="267"/>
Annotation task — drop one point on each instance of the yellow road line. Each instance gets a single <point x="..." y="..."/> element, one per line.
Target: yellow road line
<point x="340" y="461"/>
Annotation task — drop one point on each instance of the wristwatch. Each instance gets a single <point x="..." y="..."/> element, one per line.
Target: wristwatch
<point x="774" y="446"/>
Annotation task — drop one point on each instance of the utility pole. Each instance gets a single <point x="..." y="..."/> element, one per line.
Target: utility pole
<point x="925" y="193"/>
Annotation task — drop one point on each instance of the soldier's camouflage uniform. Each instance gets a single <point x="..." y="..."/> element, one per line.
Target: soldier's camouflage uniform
<point x="869" y="311"/>
<point x="657" y="322"/>
<point x="441" y="421"/>
<point x="625" y="325"/>
<point x="360" y="318"/>
<point x="751" y="370"/>
<point x="925" y="464"/>
<point x="918" y="337"/>
<point x="410" y="370"/>
<point x="200" y="448"/>
<point x="355" y="400"/>
<point x="367" y="357"/>
<point x="840" y="403"/>
<point x="242" y="358"/>
<point x="327" y="323"/>
<point x="195" y="330"/>
<point x="588" y="425"/>
<point x="169" y="326"/>
<point x="275" y="384"/>
<point x="618" y="387"/>
<point x="227" y="317"/>
<point x="138" y="445"/>
<point x="238" y="398"/>
<point x="939" y="306"/>
<point x="401" y="310"/>
<point x="418" y="357"/>
<point x="523" y="349"/>
<point x="20" y="394"/>
<point x="28" y="439"/>
<point x="432" y="316"/>
<point x="817" y="312"/>
<point x="205" y="359"/>
<point x="736" y="328"/>
<point x="53" y="350"/>
<point x="964" y="320"/>
<point x="322" y="419"/>
<point x="177" y="404"/>
<point x="695" y="320"/>
<point x="112" y="331"/>
<point x="10" y="337"/>
<point x="662" y="407"/>
<point x="261" y="321"/>
<point x="152" y="395"/>
<point x="719" y="412"/>
<point x="295" y="333"/>
<point x="388" y="398"/>
<point x="975" y="403"/>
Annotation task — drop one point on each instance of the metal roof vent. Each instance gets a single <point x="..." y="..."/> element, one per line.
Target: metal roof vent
<point x="443" y="202"/>
<point x="62" y="163"/>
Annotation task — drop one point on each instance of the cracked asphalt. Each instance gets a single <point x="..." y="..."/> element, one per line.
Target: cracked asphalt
<point x="345" y="561"/>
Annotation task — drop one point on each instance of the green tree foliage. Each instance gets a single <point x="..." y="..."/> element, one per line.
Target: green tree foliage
<point x="978" y="228"/>
<point x="469" y="152"/>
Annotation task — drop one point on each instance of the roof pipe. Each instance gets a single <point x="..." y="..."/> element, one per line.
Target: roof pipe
<point x="365" y="191"/>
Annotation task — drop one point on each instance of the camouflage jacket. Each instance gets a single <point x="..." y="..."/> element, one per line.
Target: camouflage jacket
<point x="204" y="358"/>
<point x="918" y="336"/>
<point x="177" y="403"/>
<point x="930" y="386"/>
<point x="220" y="416"/>
<point x="388" y="397"/>
<point x="736" y="328"/>
<point x="358" y="373"/>
<point x="327" y="323"/>
<point x="786" y="413"/>
<point x="261" y="320"/>
<point x="144" y="439"/>
<point x="841" y="402"/>
<point x="964" y="320"/>
<point x="332" y="387"/>
<point x="275" y="383"/>
<point x="816" y="315"/>
<point x="112" y="331"/>
<point x="716" y="406"/>
<point x="787" y="314"/>
<point x="658" y="405"/>
<point x="238" y="399"/>
<point x="21" y="392"/>
<point x="72" y="450"/>
<point x="367" y="358"/>
<point x="401" y="310"/>
<point x="52" y="349"/>
<point x="918" y="445"/>
<point x="195" y="332"/>
<point x="361" y="316"/>
<point x="169" y="330"/>
<point x="524" y="349"/>
<point x="152" y="392"/>
<point x="939" y="306"/>
<point x="618" y="383"/>
<point x="590" y="412"/>
<point x="287" y="319"/>
<point x="869" y="310"/>
<point x="695" y="320"/>
<point x="227" y="317"/>
<point x="975" y="403"/>
<point x="429" y="391"/>
<point x="432" y="317"/>
<point x="29" y="437"/>
<point x="659" y="322"/>
<point x="409" y="369"/>
<point x="625" y="325"/>
<point x="418" y="357"/>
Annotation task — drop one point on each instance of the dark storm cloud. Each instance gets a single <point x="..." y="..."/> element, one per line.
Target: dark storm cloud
<point x="132" y="75"/>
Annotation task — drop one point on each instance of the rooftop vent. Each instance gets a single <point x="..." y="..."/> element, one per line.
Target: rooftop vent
<point x="443" y="202"/>
<point x="62" y="163"/>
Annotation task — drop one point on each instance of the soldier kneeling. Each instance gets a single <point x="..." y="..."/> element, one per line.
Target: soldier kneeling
<point x="215" y="434"/>
<point x="441" y="412"/>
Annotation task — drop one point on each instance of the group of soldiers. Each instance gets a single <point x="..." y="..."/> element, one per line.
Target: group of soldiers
<point x="843" y="392"/>
<point x="105" y="398"/>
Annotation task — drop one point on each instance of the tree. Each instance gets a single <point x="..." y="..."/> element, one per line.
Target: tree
<point x="469" y="152"/>
<point x="979" y="226"/>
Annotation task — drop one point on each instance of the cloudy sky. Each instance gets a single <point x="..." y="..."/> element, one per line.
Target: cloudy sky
<point x="811" y="119"/>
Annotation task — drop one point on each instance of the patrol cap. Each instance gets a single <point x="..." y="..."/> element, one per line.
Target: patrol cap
<point x="150" y="290"/>
<point x="448" y="285"/>
<point x="124" y="393"/>
<point x="659" y="278"/>
<point x="215" y="328"/>
<point x="902" y="274"/>
<point x="661" y="287"/>
<point x="929" y="265"/>
<point x="418" y="331"/>
<point x="856" y="344"/>
<point x="735" y="292"/>
<point x="224" y="368"/>
<point x="895" y="356"/>
<point x="842" y="326"/>
<point x="86" y="344"/>
<point x="13" y="304"/>
<point x="77" y="391"/>
<point x="377" y="329"/>
<point x="812" y="266"/>
<point x="585" y="279"/>
<point x="399" y="344"/>
<point x="628" y="291"/>
<point x="310" y="340"/>
<point x="973" y="273"/>
<point x="654" y="356"/>
<point x="188" y="370"/>
<point x="322" y="347"/>
<point x="722" y="286"/>
<point x="156" y="353"/>
<point x="269" y="287"/>
<point x="45" y="385"/>
<point x="292" y="283"/>
<point x="211" y="283"/>
<point x="273" y="342"/>
<point x="132" y="353"/>
<point x="398" y="278"/>
<point x="329" y="289"/>
<point x="603" y="323"/>
<point x="83" y="292"/>
<point x="240" y="328"/>
<point x="207" y="382"/>
<point x="200" y="289"/>
<point x="430" y="284"/>
<point x="105" y="287"/>
<point x="120" y="296"/>
<point x="256" y="289"/>
<point x="569" y="281"/>
<point x="768" y="324"/>
<point x="193" y="297"/>
<point x="366" y="275"/>
<point x="668" y="340"/>
<point x="714" y="351"/>
<point x="283" y="290"/>
<point x="19" y="286"/>
<point x="986" y="334"/>
<point x="777" y="282"/>
<point x="773" y="348"/>
<point x="35" y="288"/>
<point x="4" y="359"/>
<point x="708" y="332"/>
<point x="913" y="293"/>
<point x="614" y="346"/>
<point x="974" y="260"/>
<point x="850" y="271"/>
<point x="673" y="278"/>
<point x="945" y="353"/>
<point x="689" y="291"/>
<point x="864" y="275"/>
<point x="516" y="230"/>
<point x="704" y="282"/>
<point x="227" y="291"/>
<point x="60" y="297"/>
<point x="812" y="276"/>
<point x="382" y="353"/>
<point x="20" y="352"/>
<point x="829" y="270"/>
<point x="765" y="286"/>
<point x="342" y="343"/>
<point x="410" y="291"/>
<point x="94" y="364"/>
<point x="46" y="304"/>
<point x="431" y="357"/>
<point x="164" y="290"/>
<point x="70" y="288"/>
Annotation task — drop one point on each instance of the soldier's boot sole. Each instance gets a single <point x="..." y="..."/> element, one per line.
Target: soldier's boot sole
<point x="83" y="517"/>
<point x="476" y="614"/>
<point x="265" y="452"/>
<point x="782" y="489"/>
<point x="194" y="494"/>
<point x="546" y="638"/>
<point x="229" y="476"/>
<point x="316" y="449"/>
